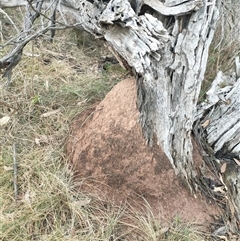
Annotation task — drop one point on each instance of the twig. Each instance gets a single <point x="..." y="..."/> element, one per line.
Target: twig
<point x="89" y="116"/>
<point x="15" y="172"/>
<point x="10" y="20"/>
<point x="3" y="103"/>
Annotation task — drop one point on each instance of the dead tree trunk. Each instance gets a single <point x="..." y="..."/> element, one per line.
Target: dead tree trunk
<point x="217" y="129"/>
<point x="165" y="43"/>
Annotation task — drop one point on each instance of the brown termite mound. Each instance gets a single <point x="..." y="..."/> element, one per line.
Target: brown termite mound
<point x="111" y="159"/>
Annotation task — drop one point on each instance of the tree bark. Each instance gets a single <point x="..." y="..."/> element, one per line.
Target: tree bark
<point x="217" y="129"/>
<point x="169" y="55"/>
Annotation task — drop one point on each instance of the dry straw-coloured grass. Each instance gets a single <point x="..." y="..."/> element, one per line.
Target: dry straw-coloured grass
<point x="47" y="91"/>
<point x="53" y="83"/>
<point x="50" y="86"/>
<point x="225" y="45"/>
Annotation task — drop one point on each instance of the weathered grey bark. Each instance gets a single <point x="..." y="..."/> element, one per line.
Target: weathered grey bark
<point x="220" y="116"/>
<point x="217" y="129"/>
<point x="166" y="44"/>
<point x="169" y="55"/>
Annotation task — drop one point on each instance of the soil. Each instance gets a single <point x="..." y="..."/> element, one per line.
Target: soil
<point x="108" y="153"/>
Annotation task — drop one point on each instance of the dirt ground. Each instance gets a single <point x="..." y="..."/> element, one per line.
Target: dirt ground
<point x="108" y="153"/>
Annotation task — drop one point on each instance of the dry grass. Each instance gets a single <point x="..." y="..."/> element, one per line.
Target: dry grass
<point x="225" y="45"/>
<point x="47" y="91"/>
<point x="50" y="86"/>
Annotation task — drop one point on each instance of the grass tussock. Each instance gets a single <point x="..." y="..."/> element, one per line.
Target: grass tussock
<point x="52" y="84"/>
<point x="147" y="226"/>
